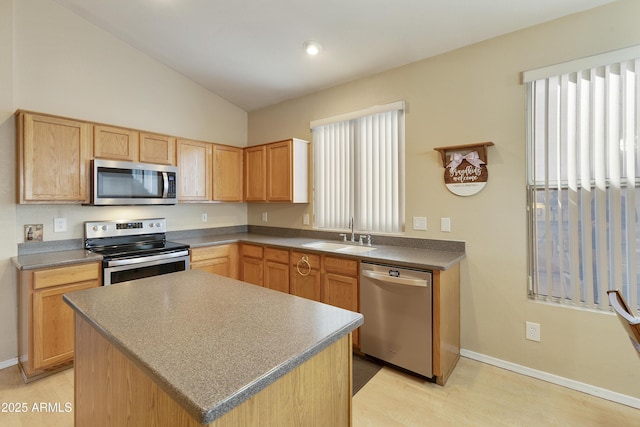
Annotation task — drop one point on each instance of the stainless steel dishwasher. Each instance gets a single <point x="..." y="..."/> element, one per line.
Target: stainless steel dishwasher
<point x="397" y="307"/>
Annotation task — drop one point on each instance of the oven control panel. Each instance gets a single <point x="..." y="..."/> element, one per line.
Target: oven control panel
<point x="97" y="229"/>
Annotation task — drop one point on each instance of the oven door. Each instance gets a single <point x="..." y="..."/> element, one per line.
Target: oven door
<point x="138" y="268"/>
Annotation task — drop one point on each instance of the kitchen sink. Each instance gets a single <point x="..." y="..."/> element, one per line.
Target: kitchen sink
<point x="339" y="247"/>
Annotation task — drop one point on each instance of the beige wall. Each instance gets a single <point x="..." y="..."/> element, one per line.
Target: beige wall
<point x="64" y="65"/>
<point x="472" y="95"/>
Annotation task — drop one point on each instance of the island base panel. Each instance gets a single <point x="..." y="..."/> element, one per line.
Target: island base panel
<point x="111" y="390"/>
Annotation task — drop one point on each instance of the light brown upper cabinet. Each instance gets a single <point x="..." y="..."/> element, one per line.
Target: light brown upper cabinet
<point x="209" y="172"/>
<point x="115" y="143"/>
<point x="54" y="159"/>
<point x="159" y="149"/>
<point x="255" y="174"/>
<point x="194" y="169"/>
<point x="227" y="173"/>
<point x="277" y="172"/>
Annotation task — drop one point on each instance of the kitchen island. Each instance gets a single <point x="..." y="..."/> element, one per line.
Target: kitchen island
<point x="193" y="348"/>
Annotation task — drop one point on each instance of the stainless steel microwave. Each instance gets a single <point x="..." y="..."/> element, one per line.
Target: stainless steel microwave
<point x="128" y="183"/>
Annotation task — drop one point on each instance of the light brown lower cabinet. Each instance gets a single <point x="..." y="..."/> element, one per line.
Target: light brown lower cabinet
<point x="251" y="264"/>
<point x="340" y="286"/>
<point x="45" y="322"/>
<point x="221" y="260"/>
<point x="305" y="276"/>
<point x="276" y="269"/>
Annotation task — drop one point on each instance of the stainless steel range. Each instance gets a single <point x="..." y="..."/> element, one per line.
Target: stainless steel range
<point x="133" y="249"/>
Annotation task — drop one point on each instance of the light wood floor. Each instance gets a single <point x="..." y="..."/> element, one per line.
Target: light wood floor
<point x="475" y="395"/>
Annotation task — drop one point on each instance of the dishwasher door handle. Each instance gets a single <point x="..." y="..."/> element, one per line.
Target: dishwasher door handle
<point x="396" y="280"/>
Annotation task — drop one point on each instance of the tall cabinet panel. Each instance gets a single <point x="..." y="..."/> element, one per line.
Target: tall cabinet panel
<point x="255" y="174"/>
<point x="227" y="173"/>
<point x="194" y="169"/>
<point x="54" y="155"/>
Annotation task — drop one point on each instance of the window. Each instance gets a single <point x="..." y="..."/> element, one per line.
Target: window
<point x="359" y="170"/>
<point x="583" y="164"/>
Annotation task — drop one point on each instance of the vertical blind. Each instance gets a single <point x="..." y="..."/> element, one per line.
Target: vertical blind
<point x="583" y="168"/>
<point x="359" y="172"/>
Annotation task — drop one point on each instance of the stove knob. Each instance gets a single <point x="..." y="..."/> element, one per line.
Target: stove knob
<point x="158" y="224"/>
<point x="151" y="224"/>
<point x="94" y="228"/>
<point x="104" y="228"/>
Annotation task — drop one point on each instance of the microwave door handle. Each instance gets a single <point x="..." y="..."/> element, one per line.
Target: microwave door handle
<point x="165" y="186"/>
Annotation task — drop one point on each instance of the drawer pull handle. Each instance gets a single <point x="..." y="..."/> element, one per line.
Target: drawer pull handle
<point x="305" y="260"/>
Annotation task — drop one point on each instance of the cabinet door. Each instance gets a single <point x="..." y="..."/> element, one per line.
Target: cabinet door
<point x="115" y="143"/>
<point x="159" y="149"/>
<point x="276" y="276"/>
<point x="252" y="270"/>
<point x="53" y="325"/>
<point x="54" y="159"/>
<point x="279" y="172"/>
<point x="305" y="276"/>
<point x="227" y="173"/>
<point x="255" y="174"/>
<point x="194" y="170"/>
<point x="342" y="291"/>
<point x="222" y="260"/>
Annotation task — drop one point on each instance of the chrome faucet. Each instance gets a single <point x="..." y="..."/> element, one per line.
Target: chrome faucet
<point x="353" y="236"/>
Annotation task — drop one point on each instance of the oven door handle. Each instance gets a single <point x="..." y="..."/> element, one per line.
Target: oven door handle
<point x="140" y="260"/>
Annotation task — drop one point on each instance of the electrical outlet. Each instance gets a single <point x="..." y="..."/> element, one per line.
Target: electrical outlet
<point x="305" y="219"/>
<point x="59" y="225"/>
<point x="419" y="223"/>
<point x="533" y="331"/>
<point x="264" y="217"/>
<point x="204" y="217"/>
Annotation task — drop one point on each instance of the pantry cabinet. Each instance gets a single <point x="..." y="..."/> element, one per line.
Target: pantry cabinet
<point x="54" y="159"/>
<point x="277" y="172"/>
<point x="222" y="259"/>
<point x="115" y="143"/>
<point x="45" y="322"/>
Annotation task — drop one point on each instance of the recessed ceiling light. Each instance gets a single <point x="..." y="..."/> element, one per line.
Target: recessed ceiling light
<point x="312" y="48"/>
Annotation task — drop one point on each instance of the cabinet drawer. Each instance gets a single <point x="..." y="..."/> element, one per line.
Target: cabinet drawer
<point x="345" y="266"/>
<point x="252" y="251"/>
<point x="65" y="275"/>
<point x="209" y="252"/>
<point x="314" y="260"/>
<point x="277" y="255"/>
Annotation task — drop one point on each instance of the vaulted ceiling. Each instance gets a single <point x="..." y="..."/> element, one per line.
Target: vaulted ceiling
<point x="250" y="52"/>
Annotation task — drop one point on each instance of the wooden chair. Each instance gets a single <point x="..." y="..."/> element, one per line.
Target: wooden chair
<point x="630" y="323"/>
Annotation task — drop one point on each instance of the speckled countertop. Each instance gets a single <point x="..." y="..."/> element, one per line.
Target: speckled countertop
<point x="413" y="253"/>
<point x="427" y="258"/>
<point x="209" y="341"/>
<point x="54" y="259"/>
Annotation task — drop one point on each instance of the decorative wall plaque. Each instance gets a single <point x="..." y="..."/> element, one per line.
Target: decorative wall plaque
<point x="465" y="171"/>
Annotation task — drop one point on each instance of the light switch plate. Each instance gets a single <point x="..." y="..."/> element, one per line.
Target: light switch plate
<point x="59" y="225"/>
<point x="419" y="223"/>
<point x="445" y="224"/>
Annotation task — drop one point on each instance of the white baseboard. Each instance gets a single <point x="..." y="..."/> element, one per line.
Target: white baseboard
<point x="8" y="363"/>
<point x="554" y="379"/>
